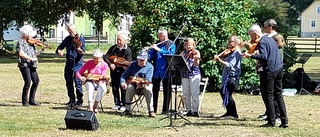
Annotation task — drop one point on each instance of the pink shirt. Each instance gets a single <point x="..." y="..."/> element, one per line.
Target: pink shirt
<point x="91" y="68"/>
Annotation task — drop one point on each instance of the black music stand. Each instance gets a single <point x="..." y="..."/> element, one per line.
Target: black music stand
<point x="303" y="59"/>
<point x="175" y="62"/>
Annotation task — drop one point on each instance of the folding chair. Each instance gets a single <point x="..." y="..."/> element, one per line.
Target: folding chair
<point x="138" y="103"/>
<point x="109" y="89"/>
<point x="204" y="83"/>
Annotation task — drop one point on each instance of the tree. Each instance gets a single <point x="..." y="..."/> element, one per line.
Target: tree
<point x="210" y="23"/>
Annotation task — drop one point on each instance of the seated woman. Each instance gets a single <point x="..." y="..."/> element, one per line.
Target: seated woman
<point x="95" y="79"/>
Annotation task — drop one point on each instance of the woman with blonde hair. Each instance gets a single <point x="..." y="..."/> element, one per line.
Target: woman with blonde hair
<point x="191" y="80"/>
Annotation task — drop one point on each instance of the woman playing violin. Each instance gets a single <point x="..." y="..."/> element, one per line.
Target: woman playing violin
<point x="28" y="63"/>
<point x="118" y="52"/>
<point x="230" y="75"/>
<point x="191" y="80"/>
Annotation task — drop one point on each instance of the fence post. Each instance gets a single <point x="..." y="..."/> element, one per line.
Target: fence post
<point x="315" y="45"/>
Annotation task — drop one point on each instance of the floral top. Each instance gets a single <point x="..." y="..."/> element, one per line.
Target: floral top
<point x="29" y="50"/>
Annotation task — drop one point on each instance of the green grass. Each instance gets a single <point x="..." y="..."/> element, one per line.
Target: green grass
<point x="48" y="119"/>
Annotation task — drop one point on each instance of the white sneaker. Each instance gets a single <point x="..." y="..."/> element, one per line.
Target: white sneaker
<point x="116" y="107"/>
<point x="122" y="108"/>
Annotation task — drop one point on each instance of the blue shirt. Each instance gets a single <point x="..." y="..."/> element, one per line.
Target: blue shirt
<point x="269" y="56"/>
<point x="233" y="66"/>
<point x="134" y="69"/>
<point x="74" y="60"/>
<point x="159" y="61"/>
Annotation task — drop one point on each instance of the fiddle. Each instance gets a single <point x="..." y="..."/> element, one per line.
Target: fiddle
<point x="226" y="52"/>
<point x="252" y="46"/>
<point x="77" y="41"/>
<point x="191" y="53"/>
<point x="119" y="61"/>
<point x="38" y="43"/>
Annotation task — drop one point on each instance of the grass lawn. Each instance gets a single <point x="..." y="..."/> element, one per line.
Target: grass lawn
<point x="48" y="119"/>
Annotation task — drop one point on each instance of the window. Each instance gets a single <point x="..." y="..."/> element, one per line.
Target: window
<point x="318" y="9"/>
<point x="313" y="23"/>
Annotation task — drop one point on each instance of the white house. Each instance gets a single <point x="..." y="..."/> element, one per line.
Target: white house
<point x="310" y="21"/>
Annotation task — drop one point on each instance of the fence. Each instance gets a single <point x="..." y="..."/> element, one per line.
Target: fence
<point x="305" y="43"/>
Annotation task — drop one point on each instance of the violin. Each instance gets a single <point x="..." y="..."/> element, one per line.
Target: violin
<point x="252" y="46"/>
<point x="136" y="81"/>
<point x="77" y="41"/>
<point x="226" y="52"/>
<point x="38" y="43"/>
<point x="191" y="53"/>
<point x="119" y="61"/>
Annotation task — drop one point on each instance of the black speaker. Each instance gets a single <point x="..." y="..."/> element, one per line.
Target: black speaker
<point x="78" y="119"/>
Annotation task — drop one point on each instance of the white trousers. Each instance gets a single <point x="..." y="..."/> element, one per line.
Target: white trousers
<point x="191" y="91"/>
<point x="92" y="86"/>
<point x="147" y="92"/>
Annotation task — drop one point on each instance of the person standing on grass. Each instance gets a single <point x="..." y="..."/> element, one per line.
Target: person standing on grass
<point x="156" y="57"/>
<point x="119" y="50"/>
<point x="28" y="64"/>
<point x="270" y="60"/>
<point x="75" y="48"/>
<point x="230" y="75"/>
<point x="191" y="80"/>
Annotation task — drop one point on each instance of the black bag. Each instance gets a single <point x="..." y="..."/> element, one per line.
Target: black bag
<point x="308" y="84"/>
<point x="76" y="119"/>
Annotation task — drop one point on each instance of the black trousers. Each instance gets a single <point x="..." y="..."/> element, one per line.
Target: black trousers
<point x="166" y="94"/>
<point x="276" y="107"/>
<point x="29" y="74"/>
<point x="273" y="91"/>
<point x="232" y="84"/>
<point x="115" y="83"/>
<point x="71" y="82"/>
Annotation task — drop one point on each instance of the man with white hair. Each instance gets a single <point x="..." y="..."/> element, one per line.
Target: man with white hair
<point x="270" y="59"/>
<point x="117" y="52"/>
<point x="75" y="48"/>
<point x="95" y="79"/>
<point x="156" y="56"/>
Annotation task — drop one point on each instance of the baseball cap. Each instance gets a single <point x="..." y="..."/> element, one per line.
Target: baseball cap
<point x="143" y="55"/>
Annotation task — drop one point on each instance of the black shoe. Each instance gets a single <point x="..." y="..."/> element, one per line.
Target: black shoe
<point x="70" y="104"/>
<point x="267" y="125"/>
<point x="195" y="114"/>
<point x="126" y="113"/>
<point x="284" y="126"/>
<point x="78" y="104"/>
<point x="189" y="114"/>
<point x="33" y="103"/>
<point x="26" y="104"/>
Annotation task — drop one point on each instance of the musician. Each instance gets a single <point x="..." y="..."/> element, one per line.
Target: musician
<point x="191" y="80"/>
<point x="269" y="27"/>
<point x="122" y="50"/>
<point x="156" y="56"/>
<point x="94" y="67"/>
<point x="230" y="75"/>
<point x="140" y="69"/>
<point x="28" y="64"/>
<point x="75" y="48"/>
<point x="270" y="59"/>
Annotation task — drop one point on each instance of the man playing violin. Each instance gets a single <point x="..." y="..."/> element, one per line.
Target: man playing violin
<point x="140" y="73"/>
<point x="191" y="80"/>
<point x="156" y="56"/>
<point x="28" y="64"/>
<point x="74" y="61"/>
<point x="270" y="59"/>
<point x="230" y="75"/>
<point x="122" y="52"/>
<point x="95" y="80"/>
